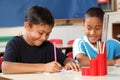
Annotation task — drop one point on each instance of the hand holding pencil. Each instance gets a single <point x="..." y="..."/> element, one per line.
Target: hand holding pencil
<point x="53" y="67"/>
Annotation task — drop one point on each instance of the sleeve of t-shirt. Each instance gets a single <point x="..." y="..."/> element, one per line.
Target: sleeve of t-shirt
<point x="10" y="52"/>
<point x="61" y="56"/>
<point x="77" y="47"/>
<point x="117" y="48"/>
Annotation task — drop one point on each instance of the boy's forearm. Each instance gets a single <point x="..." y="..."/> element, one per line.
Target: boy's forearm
<point x="84" y="61"/>
<point x="67" y="60"/>
<point x="116" y="60"/>
<point x="111" y="62"/>
<point x="11" y="68"/>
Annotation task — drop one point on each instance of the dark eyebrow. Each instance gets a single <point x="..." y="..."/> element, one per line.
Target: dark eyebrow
<point x="88" y="25"/>
<point x="44" y="31"/>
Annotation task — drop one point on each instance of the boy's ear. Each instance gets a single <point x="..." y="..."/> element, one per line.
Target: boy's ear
<point x="26" y="25"/>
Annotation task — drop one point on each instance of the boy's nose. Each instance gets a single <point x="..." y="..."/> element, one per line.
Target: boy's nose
<point x="43" y="37"/>
<point x="93" y="32"/>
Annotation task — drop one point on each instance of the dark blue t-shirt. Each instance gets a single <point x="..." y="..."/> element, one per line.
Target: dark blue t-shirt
<point x="17" y="50"/>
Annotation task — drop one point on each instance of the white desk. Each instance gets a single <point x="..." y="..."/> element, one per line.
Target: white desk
<point x="113" y="74"/>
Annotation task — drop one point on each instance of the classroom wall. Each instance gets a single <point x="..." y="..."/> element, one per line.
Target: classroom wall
<point x="64" y="32"/>
<point x="12" y="12"/>
<point x="67" y="32"/>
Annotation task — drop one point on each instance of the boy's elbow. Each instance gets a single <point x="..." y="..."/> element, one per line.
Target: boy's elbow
<point x="82" y="59"/>
<point x="79" y="56"/>
<point x="5" y="68"/>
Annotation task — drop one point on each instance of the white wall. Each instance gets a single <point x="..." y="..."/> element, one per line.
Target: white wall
<point x="64" y="32"/>
<point x="67" y="32"/>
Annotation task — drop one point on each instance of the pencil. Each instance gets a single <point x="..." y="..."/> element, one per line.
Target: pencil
<point x="55" y="56"/>
<point x="86" y="50"/>
<point x="103" y="47"/>
<point x="100" y="47"/>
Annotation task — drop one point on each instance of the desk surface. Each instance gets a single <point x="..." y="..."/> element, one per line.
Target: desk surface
<point x="113" y="74"/>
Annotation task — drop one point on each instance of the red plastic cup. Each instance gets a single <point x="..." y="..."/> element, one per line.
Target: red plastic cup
<point x="93" y="67"/>
<point x="105" y="55"/>
<point x="101" y="61"/>
<point x="85" y="71"/>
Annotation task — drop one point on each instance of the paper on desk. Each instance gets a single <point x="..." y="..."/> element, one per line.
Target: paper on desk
<point x="62" y="71"/>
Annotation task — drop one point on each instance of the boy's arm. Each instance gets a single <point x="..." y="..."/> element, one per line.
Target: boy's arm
<point x="84" y="61"/>
<point x="111" y="62"/>
<point x="70" y="64"/>
<point x="15" y="67"/>
<point x="114" y="61"/>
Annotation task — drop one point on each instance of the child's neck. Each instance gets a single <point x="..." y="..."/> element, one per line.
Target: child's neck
<point x="94" y="44"/>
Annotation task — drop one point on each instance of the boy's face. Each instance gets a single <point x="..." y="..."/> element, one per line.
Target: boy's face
<point x="93" y="29"/>
<point x="37" y="34"/>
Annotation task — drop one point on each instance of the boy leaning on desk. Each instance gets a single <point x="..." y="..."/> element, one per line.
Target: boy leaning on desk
<point x="32" y="52"/>
<point x="92" y="26"/>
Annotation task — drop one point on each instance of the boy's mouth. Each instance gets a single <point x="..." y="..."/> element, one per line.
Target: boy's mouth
<point x="93" y="38"/>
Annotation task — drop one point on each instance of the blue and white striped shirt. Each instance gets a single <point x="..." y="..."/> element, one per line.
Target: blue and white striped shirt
<point x="113" y="48"/>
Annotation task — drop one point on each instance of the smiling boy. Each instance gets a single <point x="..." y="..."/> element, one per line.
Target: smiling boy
<point x="92" y="26"/>
<point x="32" y="52"/>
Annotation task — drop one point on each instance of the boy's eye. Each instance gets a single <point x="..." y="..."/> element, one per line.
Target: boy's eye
<point x="40" y="33"/>
<point x="89" y="28"/>
<point x="48" y="34"/>
<point x="98" y="28"/>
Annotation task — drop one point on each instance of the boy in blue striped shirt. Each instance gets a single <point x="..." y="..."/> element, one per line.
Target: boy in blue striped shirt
<point x="92" y="26"/>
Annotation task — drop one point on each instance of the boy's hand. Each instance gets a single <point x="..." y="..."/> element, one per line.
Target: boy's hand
<point x="117" y="61"/>
<point x="71" y="65"/>
<point x="52" y="67"/>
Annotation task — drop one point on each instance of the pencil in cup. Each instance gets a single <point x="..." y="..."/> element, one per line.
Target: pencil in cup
<point x="101" y="59"/>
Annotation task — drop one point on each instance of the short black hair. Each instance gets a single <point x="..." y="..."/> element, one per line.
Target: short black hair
<point x="39" y="15"/>
<point x="95" y="12"/>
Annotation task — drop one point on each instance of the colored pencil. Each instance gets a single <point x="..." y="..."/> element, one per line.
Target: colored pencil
<point x="55" y="56"/>
<point x="86" y="50"/>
